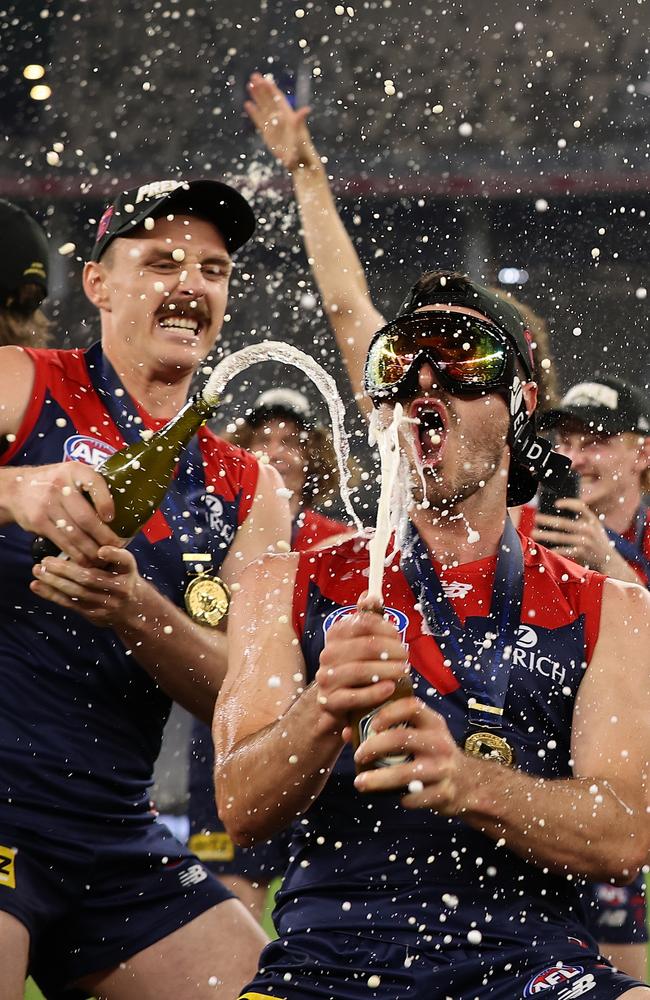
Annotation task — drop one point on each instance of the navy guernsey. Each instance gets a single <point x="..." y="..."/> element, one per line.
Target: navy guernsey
<point x="367" y="866"/>
<point x="80" y="721"/>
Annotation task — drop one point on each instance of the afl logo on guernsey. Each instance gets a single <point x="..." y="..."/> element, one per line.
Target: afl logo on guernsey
<point x="559" y="975"/>
<point x="398" y="618"/>
<point x="90" y="450"/>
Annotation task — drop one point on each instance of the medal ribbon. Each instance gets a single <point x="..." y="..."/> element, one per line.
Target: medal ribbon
<point x="479" y="650"/>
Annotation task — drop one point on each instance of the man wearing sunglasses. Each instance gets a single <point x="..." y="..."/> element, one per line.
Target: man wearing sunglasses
<point x="521" y="757"/>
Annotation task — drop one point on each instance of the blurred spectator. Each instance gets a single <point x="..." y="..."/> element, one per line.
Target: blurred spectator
<point x="23" y="279"/>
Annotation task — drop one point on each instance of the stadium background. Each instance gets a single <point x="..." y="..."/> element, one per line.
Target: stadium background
<point x="507" y="139"/>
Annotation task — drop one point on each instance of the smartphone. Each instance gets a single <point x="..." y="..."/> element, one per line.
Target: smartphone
<point x="547" y="497"/>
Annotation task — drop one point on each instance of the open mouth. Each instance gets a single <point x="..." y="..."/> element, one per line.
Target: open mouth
<point x="432" y="430"/>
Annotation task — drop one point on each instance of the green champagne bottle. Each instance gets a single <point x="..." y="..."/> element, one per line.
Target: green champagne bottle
<point x="361" y="723"/>
<point x="138" y="475"/>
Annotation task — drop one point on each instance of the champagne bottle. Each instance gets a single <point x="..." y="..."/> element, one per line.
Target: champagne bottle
<point x="361" y="724"/>
<point x="138" y="475"/>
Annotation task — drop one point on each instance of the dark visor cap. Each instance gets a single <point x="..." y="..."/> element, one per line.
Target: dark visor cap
<point x="605" y="406"/>
<point x="23" y="252"/>
<point x="213" y="201"/>
<point x="451" y="289"/>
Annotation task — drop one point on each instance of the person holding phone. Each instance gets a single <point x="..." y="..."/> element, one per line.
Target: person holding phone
<point x="603" y="426"/>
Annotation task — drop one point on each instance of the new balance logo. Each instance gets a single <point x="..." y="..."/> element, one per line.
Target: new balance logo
<point x="192" y="875"/>
<point x="454" y="588"/>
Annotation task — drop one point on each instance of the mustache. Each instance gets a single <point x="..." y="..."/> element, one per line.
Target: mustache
<point x="199" y="312"/>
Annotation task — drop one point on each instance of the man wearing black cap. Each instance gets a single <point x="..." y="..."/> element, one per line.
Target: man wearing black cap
<point x="603" y="426"/>
<point x="95" y="896"/>
<point x="23" y="278"/>
<point x="448" y="866"/>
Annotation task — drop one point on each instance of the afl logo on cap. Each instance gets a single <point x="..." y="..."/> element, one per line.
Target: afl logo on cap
<point x="398" y="618"/>
<point x="89" y="450"/>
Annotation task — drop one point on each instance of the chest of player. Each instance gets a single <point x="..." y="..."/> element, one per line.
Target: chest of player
<point x="544" y="667"/>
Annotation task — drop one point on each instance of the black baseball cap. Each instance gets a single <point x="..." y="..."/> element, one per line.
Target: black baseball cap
<point x="604" y="405"/>
<point x="215" y="201"/>
<point x="23" y="256"/>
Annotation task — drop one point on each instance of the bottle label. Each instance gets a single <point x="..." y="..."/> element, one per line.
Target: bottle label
<point x="366" y="729"/>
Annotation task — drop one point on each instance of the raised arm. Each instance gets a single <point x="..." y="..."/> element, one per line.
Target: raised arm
<point x="334" y="261"/>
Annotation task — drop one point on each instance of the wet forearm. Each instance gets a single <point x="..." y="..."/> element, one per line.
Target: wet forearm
<point x="575" y="826"/>
<point x="274" y="775"/>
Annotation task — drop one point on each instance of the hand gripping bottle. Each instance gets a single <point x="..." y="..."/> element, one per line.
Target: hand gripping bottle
<point x="138" y="475"/>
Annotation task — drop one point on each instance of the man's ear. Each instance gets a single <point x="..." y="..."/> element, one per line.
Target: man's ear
<point x="94" y="282"/>
<point x="530" y="396"/>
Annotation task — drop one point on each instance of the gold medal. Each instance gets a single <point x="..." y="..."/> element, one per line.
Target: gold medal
<point x="207" y="599"/>
<point x="489" y="745"/>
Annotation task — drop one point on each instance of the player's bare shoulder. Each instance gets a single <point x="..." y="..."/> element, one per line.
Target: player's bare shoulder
<point x="16" y="386"/>
<point x="632" y="597"/>
<point x="625" y="617"/>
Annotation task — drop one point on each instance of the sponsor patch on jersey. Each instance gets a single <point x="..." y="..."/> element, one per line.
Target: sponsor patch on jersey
<point x="90" y="450"/>
<point x="8" y="867"/>
<point x="526" y="637"/>
<point x="397" y="618"/>
<point x="212" y="846"/>
<point x="548" y="979"/>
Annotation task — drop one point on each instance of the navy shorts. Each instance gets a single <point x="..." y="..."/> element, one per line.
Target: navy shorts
<point x="314" y="966"/>
<point x="617" y="914"/>
<point x="94" y="895"/>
